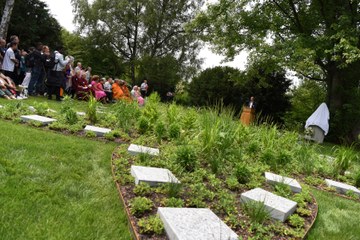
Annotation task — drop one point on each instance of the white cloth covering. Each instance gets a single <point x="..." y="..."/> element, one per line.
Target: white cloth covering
<point x="320" y="118"/>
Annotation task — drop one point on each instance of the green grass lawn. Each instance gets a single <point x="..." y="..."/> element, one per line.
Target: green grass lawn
<point x="57" y="187"/>
<point x="338" y="218"/>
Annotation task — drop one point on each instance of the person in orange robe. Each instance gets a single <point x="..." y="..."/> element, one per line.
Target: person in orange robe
<point x="120" y="91"/>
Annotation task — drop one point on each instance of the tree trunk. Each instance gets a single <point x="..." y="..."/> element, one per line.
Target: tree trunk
<point x="5" y="21"/>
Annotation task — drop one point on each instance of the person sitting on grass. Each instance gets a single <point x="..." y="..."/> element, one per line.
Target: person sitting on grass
<point x="4" y="92"/>
<point x="97" y="89"/>
<point x="120" y="90"/>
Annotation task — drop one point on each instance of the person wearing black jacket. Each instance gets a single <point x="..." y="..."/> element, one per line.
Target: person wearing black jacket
<point x="37" y="71"/>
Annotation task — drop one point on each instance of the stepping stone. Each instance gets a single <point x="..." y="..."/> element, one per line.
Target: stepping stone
<point x="51" y="110"/>
<point x="275" y="179"/>
<point x="342" y="187"/>
<point x="194" y="223"/>
<point x="43" y="120"/>
<point x="153" y="176"/>
<point x="278" y="207"/>
<point x="1" y="106"/>
<point x="137" y="149"/>
<point x="98" y="130"/>
<point x="80" y="113"/>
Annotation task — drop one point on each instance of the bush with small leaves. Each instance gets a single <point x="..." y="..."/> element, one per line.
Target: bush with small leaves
<point x="173" y="189"/>
<point x="143" y="125"/>
<point x="186" y="157"/>
<point x="174" y="130"/>
<point x="142" y="189"/>
<point x="232" y="183"/>
<point x="90" y="134"/>
<point x="242" y="173"/>
<point x="283" y="190"/>
<point x="151" y="225"/>
<point x="303" y="212"/>
<point x="140" y="205"/>
<point x="71" y="117"/>
<point x="256" y="211"/>
<point x="296" y="221"/>
<point x="174" y="202"/>
<point x="160" y="130"/>
<point x="109" y="136"/>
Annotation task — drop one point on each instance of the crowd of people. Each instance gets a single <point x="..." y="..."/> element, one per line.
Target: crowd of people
<point x="40" y="71"/>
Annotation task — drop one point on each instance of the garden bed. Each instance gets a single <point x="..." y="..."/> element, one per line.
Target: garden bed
<point x="237" y="220"/>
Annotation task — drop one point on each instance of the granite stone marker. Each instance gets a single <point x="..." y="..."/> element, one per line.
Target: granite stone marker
<point x="81" y="114"/>
<point x="275" y="179"/>
<point x="97" y="130"/>
<point x="278" y="207"/>
<point x="194" y="224"/>
<point x="37" y="118"/>
<point x="342" y="187"/>
<point x="153" y="176"/>
<point x="137" y="149"/>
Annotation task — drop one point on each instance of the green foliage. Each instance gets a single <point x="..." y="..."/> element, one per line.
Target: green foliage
<point x="143" y="125"/>
<point x="313" y="181"/>
<point x="344" y="157"/>
<point x="303" y="212"/>
<point x="140" y="205"/>
<point x="142" y="189"/>
<point x="126" y="114"/>
<point x="71" y="117"/>
<point x="186" y="157"/>
<point x="174" y="202"/>
<point x="174" y="130"/>
<point x="90" y="134"/>
<point x="232" y="183"/>
<point x="173" y="189"/>
<point x="91" y="109"/>
<point x="256" y="211"/>
<point x="242" y="173"/>
<point x="160" y="130"/>
<point x="41" y="108"/>
<point x="109" y="136"/>
<point x="357" y="179"/>
<point x="151" y="225"/>
<point x="296" y="221"/>
<point x="283" y="190"/>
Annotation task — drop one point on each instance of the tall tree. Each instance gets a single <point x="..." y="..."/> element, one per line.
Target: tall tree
<point x="32" y="22"/>
<point x="5" y="20"/>
<point x="319" y="39"/>
<point x="138" y="29"/>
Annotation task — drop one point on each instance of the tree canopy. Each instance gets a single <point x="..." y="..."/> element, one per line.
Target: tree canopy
<point x="319" y="39"/>
<point x="32" y="22"/>
<point x="142" y="29"/>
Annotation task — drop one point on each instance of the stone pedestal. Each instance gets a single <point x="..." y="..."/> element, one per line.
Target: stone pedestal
<point x="276" y="179"/>
<point x="152" y="176"/>
<point x="37" y="118"/>
<point x="194" y="224"/>
<point x="97" y="130"/>
<point x="342" y="187"/>
<point x="137" y="149"/>
<point x="278" y="207"/>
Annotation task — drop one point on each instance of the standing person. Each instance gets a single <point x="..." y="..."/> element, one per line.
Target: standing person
<point x="144" y="88"/>
<point x="56" y="75"/>
<point x="37" y="71"/>
<point x="78" y="67"/>
<point x="2" y="50"/>
<point x="10" y="61"/>
<point x="88" y="74"/>
<point x="108" y="89"/>
<point x="251" y="103"/>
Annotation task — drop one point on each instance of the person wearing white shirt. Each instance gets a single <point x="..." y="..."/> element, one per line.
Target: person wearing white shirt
<point x="10" y="61"/>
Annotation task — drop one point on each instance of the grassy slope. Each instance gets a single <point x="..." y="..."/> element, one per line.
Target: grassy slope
<point x="338" y="218"/>
<point x="56" y="187"/>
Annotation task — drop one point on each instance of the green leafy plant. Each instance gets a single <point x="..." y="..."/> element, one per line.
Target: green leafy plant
<point x="344" y="158"/>
<point x="242" y="173"/>
<point x="283" y="190"/>
<point x="160" y="130"/>
<point x="313" y="181"/>
<point x="126" y="114"/>
<point x="232" y="183"/>
<point x="174" y="202"/>
<point x="109" y="136"/>
<point x="173" y="189"/>
<point x="186" y="157"/>
<point x="71" y="117"/>
<point x="142" y="189"/>
<point x="140" y="205"/>
<point x="174" y="130"/>
<point x="151" y="225"/>
<point x="36" y="123"/>
<point x="357" y="179"/>
<point x="41" y="108"/>
<point x="352" y="194"/>
<point x="90" y="134"/>
<point x="303" y="212"/>
<point x="256" y="211"/>
<point x="296" y="221"/>
<point x="143" y="125"/>
<point x="91" y="110"/>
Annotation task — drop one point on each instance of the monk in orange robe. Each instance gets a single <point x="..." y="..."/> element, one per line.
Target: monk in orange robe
<point x="120" y="91"/>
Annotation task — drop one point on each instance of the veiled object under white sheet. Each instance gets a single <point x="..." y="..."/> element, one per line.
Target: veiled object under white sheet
<point x="320" y="118"/>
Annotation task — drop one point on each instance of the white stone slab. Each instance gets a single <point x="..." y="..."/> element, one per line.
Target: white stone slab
<point x="194" y="224"/>
<point x="51" y="110"/>
<point x="80" y="113"/>
<point x="342" y="187"/>
<point x="137" y="149"/>
<point x="31" y="108"/>
<point x="153" y="176"/>
<point x="278" y="207"/>
<point x="98" y="130"/>
<point x="274" y="179"/>
<point x="1" y="106"/>
<point x="38" y="118"/>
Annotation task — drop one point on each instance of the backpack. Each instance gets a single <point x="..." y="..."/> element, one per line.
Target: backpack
<point x="30" y="60"/>
<point x="50" y="61"/>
